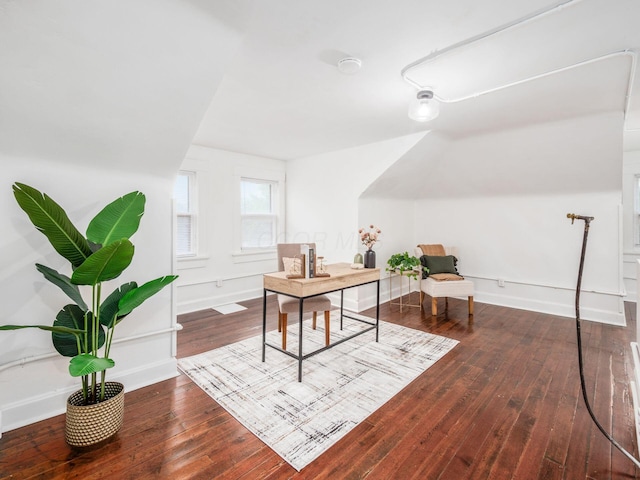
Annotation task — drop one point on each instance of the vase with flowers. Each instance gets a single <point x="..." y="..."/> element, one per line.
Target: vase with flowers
<point x="369" y="238"/>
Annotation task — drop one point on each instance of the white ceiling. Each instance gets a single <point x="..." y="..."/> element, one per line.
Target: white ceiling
<point x="118" y="85"/>
<point x="282" y="96"/>
<point x="131" y="85"/>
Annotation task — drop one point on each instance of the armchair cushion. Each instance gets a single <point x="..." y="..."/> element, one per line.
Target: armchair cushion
<point x="438" y="264"/>
<point x="446" y="277"/>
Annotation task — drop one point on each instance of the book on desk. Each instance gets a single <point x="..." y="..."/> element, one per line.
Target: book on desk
<point x="308" y="261"/>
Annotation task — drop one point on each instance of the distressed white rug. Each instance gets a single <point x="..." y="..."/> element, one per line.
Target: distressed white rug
<point x="340" y="387"/>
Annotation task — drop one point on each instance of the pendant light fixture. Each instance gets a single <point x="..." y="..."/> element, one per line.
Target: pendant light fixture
<point x="424" y="107"/>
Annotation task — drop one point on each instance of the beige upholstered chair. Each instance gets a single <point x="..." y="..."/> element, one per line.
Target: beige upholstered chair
<point x="444" y="284"/>
<point x="287" y="304"/>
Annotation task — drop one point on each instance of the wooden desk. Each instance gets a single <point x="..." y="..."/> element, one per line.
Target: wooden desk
<point x="342" y="277"/>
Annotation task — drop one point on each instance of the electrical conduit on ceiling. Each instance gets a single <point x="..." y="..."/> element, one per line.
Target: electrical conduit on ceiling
<point x="405" y="72"/>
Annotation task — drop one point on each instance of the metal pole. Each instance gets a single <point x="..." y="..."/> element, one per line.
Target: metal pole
<point x="587" y="221"/>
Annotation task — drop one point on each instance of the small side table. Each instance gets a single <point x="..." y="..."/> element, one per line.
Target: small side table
<point x="408" y="274"/>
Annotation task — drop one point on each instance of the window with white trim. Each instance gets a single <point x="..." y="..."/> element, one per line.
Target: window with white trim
<point x="258" y="213"/>
<point x="636" y="210"/>
<point x="184" y="193"/>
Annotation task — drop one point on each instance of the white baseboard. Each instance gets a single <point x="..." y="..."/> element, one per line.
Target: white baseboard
<point x="215" y="300"/>
<point x="594" y="306"/>
<point x="30" y="410"/>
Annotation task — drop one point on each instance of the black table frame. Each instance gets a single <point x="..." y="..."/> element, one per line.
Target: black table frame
<point x="300" y="356"/>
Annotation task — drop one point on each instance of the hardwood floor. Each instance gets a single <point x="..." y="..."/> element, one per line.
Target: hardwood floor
<point x="505" y="403"/>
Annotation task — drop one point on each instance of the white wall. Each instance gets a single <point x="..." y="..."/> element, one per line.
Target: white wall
<point x="526" y="239"/>
<point x="511" y="224"/>
<point x="396" y="219"/>
<point x="97" y="103"/>
<point x="323" y="194"/>
<point x="144" y="351"/>
<point x="631" y="169"/>
<point x="528" y="242"/>
<point x="220" y="261"/>
<point x="321" y="206"/>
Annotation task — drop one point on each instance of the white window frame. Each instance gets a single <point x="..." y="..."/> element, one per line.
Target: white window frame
<point x="636" y="210"/>
<point x="272" y="216"/>
<point x="192" y="213"/>
<point x="277" y="179"/>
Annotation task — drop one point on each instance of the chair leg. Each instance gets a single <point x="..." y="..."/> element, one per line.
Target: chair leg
<point x="284" y="331"/>
<point x="421" y="299"/>
<point x="327" y="316"/>
<point x="279" y="321"/>
<point x="434" y="306"/>
<point x="471" y="305"/>
<point x="446" y="304"/>
<point x="315" y="315"/>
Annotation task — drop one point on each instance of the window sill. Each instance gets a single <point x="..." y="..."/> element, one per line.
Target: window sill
<point x="253" y="256"/>
<point x="195" y="261"/>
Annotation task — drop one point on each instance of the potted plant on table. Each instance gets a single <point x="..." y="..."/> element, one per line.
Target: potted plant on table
<point x="84" y="331"/>
<point x="405" y="264"/>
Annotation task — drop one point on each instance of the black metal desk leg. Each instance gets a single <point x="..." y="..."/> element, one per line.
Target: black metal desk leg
<point x="378" y="310"/>
<point x="341" y="306"/>
<point x="264" y="323"/>
<point x="300" y="343"/>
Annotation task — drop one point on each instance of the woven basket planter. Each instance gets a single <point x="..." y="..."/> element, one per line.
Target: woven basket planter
<point x="90" y="424"/>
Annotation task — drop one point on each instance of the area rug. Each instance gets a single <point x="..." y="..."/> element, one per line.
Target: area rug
<point x="340" y="387"/>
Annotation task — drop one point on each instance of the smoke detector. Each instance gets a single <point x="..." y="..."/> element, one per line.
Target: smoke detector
<point x="349" y="65"/>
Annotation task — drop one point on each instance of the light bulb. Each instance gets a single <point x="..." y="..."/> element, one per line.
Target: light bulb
<point x="424" y="107"/>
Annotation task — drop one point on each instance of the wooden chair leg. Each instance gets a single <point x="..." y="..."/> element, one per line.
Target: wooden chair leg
<point x="421" y="299"/>
<point x="279" y="321"/>
<point x="284" y="331"/>
<point x="315" y="315"/>
<point x="327" y="317"/>
<point x="471" y="305"/>
<point x="446" y="304"/>
<point x="434" y="306"/>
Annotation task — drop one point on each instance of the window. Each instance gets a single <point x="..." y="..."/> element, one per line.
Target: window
<point x="258" y="213"/>
<point x="184" y="194"/>
<point x="636" y="210"/>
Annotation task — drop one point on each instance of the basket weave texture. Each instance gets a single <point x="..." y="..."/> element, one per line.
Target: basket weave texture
<point x="90" y="424"/>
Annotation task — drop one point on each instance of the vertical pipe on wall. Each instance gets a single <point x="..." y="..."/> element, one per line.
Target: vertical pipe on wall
<point x="174" y="289"/>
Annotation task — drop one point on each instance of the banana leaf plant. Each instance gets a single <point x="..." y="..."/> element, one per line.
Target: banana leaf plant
<point x="84" y="331"/>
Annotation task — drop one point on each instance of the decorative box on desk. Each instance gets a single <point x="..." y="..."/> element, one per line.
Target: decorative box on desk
<point x="411" y="275"/>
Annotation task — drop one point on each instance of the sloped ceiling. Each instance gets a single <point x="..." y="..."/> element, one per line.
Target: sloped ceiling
<point x="132" y="84"/>
<point x="582" y="154"/>
<point x="283" y="97"/>
<point x="120" y="84"/>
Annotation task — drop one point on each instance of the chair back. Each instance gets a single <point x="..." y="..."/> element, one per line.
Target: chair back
<point x="435" y="250"/>
<point x="290" y="250"/>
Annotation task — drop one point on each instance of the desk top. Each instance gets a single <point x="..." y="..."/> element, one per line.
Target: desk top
<point x="342" y="276"/>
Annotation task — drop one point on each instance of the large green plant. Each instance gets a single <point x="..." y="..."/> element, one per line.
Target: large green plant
<point x="85" y="331"/>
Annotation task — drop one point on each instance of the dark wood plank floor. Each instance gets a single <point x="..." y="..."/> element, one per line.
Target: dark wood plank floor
<point x="505" y="403"/>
